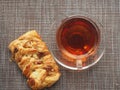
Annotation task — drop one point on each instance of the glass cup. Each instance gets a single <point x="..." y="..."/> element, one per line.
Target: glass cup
<point x="76" y="61"/>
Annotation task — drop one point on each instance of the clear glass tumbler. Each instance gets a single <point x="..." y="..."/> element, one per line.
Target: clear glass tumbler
<point x="81" y="62"/>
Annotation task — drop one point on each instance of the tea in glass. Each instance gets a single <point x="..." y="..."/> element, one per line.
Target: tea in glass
<point x="77" y="37"/>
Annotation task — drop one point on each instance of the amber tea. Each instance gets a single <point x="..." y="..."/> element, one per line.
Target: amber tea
<point x="77" y="36"/>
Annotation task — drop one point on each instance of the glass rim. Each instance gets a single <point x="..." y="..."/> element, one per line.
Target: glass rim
<point x="94" y="48"/>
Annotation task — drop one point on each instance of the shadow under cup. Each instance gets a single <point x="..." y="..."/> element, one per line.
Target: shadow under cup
<point x="77" y="42"/>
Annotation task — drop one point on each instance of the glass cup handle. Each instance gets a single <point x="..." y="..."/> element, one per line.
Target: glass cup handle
<point x="79" y="64"/>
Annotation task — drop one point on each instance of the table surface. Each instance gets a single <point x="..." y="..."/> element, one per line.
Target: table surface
<point x="19" y="16"/>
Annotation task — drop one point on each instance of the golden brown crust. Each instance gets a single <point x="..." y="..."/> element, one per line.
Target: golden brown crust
<point x="35" y="60"/>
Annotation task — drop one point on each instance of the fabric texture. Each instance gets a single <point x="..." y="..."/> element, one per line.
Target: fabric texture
<point x="19" y="16"/>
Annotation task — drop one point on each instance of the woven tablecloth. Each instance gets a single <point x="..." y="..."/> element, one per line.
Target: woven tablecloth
<point x="19" y="16"/>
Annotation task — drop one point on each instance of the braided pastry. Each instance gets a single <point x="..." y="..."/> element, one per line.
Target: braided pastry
<point x="34" y="59"/>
